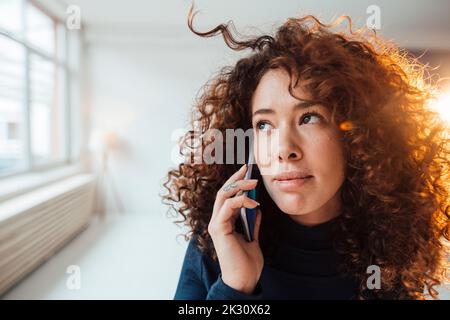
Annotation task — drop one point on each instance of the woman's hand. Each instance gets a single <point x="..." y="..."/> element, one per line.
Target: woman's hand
<point x="241" y="262"/>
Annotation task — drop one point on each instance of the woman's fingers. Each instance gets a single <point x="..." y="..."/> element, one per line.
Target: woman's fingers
<point x="229" y="185"/>
<point x="229" y="190"/>
<point x="230" y="206"/>
<point x="238" y="175"/>
<point x="234" y="185"/>
<point x="222" y="221"/>
<point x="230" y="198"/>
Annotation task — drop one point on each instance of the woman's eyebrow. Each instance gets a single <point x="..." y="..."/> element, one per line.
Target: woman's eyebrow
<point x="300" y="105"/>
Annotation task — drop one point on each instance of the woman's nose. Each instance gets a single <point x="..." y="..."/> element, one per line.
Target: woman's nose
<point x="288" y="147"/>
<point x="286" y="154"/>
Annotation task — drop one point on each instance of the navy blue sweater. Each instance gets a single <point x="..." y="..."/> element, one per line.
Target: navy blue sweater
<point x="304" y="266"/>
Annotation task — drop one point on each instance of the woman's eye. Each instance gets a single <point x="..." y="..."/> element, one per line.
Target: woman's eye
<point x="263" y="126"/>
<point x="309" y="116"/>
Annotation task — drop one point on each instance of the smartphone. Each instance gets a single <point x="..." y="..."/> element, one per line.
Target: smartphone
<point x="248" y="216"/>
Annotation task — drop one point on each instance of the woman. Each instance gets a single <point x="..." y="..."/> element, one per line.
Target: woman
<point x="356" y="206"/>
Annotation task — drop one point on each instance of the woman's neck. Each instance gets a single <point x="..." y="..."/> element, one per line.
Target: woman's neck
<point x="328" y="211"/>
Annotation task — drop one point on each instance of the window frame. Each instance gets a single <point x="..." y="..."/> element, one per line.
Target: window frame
<point x="69" y="74"/>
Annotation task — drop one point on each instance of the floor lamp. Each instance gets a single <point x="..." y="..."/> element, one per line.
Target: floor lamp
<point x="102" y="143"/>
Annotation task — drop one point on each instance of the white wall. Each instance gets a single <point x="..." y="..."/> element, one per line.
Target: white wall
<point x="142" y="77"/>
<point x="143" y="89"/>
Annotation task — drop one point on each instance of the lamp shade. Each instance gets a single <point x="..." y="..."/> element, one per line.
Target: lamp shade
<point x="102" y="140"/>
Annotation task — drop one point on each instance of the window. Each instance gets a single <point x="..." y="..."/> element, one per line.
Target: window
<point x="34" y="81"/>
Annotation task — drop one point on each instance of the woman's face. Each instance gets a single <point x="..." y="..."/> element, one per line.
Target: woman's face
<point x="291" y="142"/>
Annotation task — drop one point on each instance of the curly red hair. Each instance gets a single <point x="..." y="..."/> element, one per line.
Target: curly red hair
<point x="396" y="192"/>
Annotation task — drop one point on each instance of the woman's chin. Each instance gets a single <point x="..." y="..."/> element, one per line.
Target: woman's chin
<point x="292" y="204"/>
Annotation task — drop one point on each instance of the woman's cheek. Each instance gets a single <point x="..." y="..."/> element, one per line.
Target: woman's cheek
<point x="329" y="160"/>
<point x="266" y="149"/>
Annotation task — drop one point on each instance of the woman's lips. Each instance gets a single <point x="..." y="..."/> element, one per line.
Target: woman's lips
<point x="291" y="184"/>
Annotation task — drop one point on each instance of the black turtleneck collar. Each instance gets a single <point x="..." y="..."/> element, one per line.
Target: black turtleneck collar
<point x="317" y="237"/>
<point x="304" y="250"/>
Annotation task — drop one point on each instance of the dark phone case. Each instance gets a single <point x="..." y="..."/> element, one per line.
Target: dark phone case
<point x="251" y="213"/>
